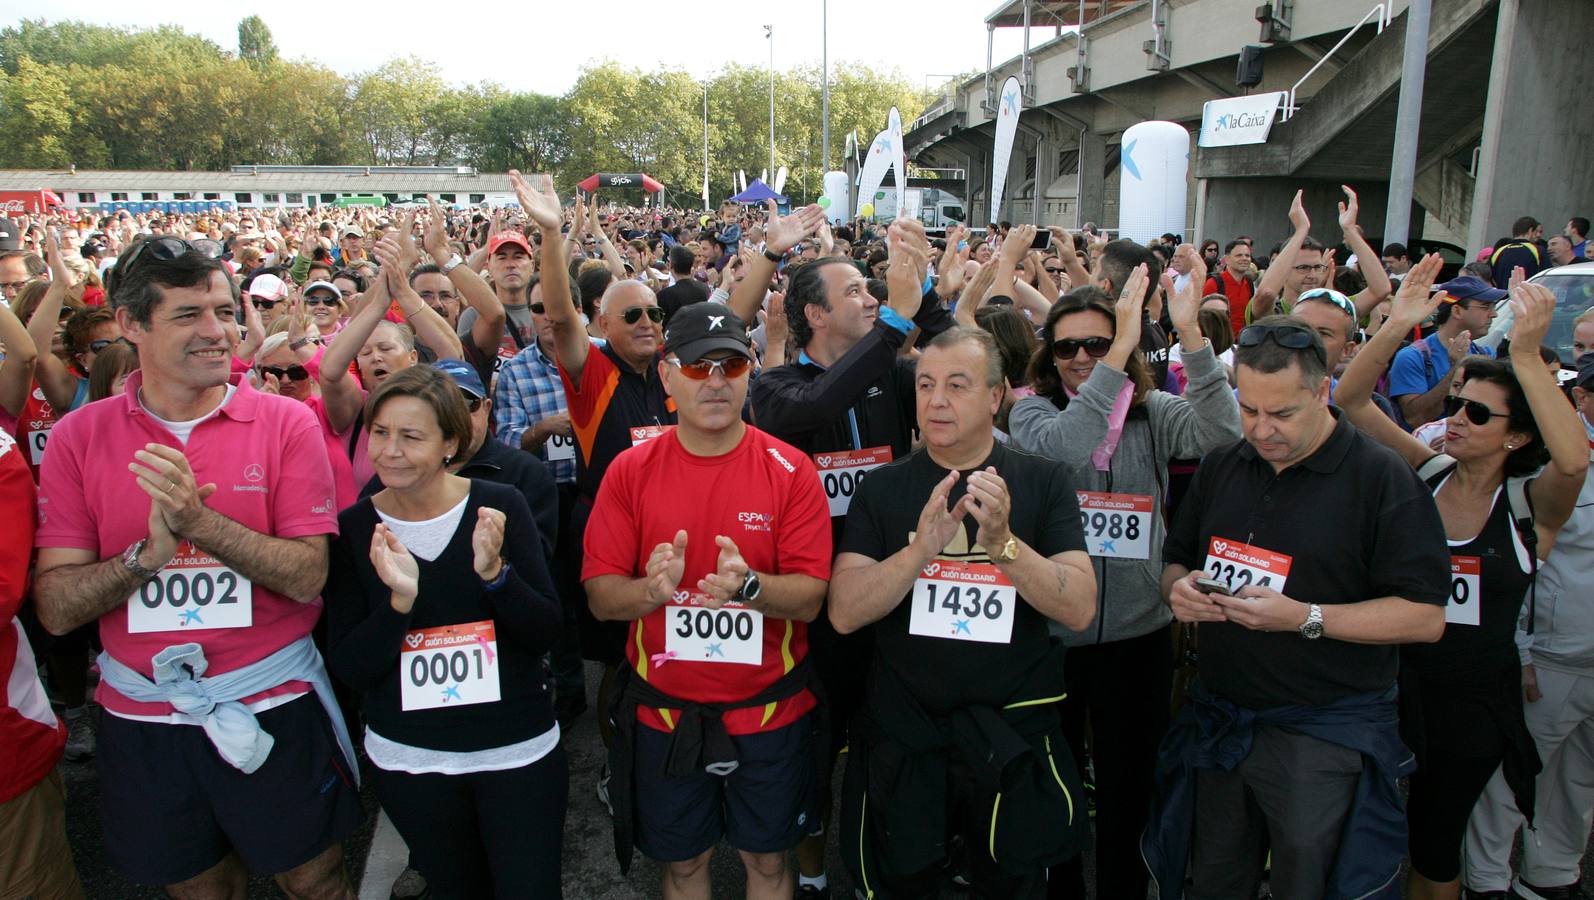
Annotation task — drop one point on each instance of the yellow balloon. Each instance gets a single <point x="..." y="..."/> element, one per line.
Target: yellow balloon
<point x="866" y="210"/>
<point x="702" y="220"/>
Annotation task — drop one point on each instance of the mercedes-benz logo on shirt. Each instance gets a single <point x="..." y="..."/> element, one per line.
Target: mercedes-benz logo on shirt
<point x="254" y="472"/>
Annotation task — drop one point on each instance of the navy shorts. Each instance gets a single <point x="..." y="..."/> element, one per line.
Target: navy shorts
<point x="764" y="806"/>
<point x="171" y="807"/>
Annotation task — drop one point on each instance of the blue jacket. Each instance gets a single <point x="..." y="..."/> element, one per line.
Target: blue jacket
<point x="1212" y="733"/>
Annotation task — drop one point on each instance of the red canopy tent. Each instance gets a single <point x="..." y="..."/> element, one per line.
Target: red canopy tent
<point x="634" y="179"/>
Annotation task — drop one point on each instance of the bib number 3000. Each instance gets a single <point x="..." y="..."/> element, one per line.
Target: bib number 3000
<point x="194" y="592"/>
<point x="730" y="634"/>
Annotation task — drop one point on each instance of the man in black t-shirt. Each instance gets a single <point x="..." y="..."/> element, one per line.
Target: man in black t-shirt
<point x="966" y="679"/>
<point x="1306" y="553"/>
<point x="685" y="290"/>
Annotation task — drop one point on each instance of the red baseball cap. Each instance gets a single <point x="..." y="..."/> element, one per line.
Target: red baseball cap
<point x="508" y="237"/>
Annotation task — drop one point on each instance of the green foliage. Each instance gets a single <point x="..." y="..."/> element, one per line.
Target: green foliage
<point x="97" y="96"/>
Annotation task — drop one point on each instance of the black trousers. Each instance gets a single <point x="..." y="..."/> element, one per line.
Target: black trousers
<point x="486" y="834"/>
<point x="565" y="659"/>
<point x="1122" y="689"/>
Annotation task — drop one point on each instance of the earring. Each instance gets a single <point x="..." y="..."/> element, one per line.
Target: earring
<point x="1510" y="446"/>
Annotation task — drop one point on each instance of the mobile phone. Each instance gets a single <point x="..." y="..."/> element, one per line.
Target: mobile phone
<point x="1212" y="586"/>
<point x="1042" y="241"/>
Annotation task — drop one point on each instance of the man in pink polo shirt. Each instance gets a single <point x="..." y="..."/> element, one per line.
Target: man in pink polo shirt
<point x="190" y="516"/>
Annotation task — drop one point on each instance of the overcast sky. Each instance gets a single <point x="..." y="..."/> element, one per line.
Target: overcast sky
<point x="541" y="46"/>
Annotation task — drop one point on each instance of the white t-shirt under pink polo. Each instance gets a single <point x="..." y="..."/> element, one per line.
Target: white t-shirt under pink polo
<point x="267" y="458"/>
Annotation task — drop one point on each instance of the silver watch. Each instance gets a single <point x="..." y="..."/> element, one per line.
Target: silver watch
<point x="1312" y="628"/>
<point x="130" y="560"/>
<point x="452" y="264"/>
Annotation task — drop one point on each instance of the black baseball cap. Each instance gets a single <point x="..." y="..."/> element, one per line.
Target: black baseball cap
<point x="698" y="329"/>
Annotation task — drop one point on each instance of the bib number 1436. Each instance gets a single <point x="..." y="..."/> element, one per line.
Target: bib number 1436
<point x="963" y="602"/>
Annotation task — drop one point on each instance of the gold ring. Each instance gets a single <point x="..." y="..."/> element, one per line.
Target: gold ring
<point x="170" y="486"/>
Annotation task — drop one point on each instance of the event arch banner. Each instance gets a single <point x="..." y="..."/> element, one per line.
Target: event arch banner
<point x="620" y="180"/>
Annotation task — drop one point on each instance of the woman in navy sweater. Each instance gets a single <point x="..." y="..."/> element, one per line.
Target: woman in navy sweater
<point x="440" y="607"/>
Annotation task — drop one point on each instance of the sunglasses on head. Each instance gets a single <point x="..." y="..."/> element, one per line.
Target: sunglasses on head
<point x="294" y="372"/>
<point x="167" y="248"/>
<point x="730" y="367"/>
<point x="634" y="315"/>
<point x="1332" y="296"/>
<point x="320" y="300"/>
<point x="1293" y="337"/>
<point x="1477" y="413"/>
<point x="1094" y="347"/>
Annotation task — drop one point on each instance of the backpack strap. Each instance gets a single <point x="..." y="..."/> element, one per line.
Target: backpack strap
<point x="1435" y="466"/>
<point x="1521" y="506"/>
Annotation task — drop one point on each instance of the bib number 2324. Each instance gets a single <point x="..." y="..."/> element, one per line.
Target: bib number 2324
<point x="194" y="592"/>
<point x="1240" y="565"/>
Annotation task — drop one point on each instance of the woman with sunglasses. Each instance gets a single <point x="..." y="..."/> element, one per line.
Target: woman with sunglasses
<point x="324" y="303"/>
<point x="1461" y="703"/>
<point x="440" y="608"/>
<point x="1097" y="411"/>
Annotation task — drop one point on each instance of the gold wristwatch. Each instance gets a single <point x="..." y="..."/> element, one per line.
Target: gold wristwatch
<point x="1009" y="551"/>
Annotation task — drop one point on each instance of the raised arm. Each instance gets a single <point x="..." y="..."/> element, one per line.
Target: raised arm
<point x="1077" y="273"/>
<point x="1556" y="488"/>
<point x="339" y="391"/>
<point x="1278" y="269"/>
<point x="1372" y="266"/>
<point x="398" y="257"/>
<point x="780" y="235"/>
<point x="57" y="381"/>
<point x="1354" y="395"/>
<point x="16" y="372"/>
<point x="488" y="329"/>
<point x="611" y="255"/>
<point x="571" y="342"/>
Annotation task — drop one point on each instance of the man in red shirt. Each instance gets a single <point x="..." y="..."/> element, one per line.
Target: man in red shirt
<point x="1234" y="281"/>
<point x="713" y="541"/>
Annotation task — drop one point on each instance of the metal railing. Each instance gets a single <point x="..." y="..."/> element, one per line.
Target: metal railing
<point x="1381" y="14"/>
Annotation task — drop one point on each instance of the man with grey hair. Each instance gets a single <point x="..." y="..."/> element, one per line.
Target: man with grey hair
<point x="960" y="590"/>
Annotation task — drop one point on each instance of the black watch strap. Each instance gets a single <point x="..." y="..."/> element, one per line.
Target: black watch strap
<point x="772" y="256"/>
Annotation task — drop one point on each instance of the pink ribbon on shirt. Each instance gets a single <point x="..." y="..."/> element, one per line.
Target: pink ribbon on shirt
<point x="1101" y="457"/>
<point x="660" y="659"/>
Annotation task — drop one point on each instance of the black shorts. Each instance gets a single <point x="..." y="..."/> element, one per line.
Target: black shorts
<point x="763" y="806"/>
<point x="171" y="807"/>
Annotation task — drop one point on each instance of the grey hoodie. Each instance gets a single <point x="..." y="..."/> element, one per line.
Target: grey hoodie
<point x="1563" y="635"/>
<point x="1204" y="419"/>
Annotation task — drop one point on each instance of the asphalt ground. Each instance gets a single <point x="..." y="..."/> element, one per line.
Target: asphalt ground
<point x="375" y="854"/>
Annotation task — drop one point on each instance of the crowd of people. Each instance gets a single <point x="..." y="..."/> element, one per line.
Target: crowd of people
<point x="1231" y="569"/>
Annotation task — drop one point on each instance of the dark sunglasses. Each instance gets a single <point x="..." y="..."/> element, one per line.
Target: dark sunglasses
<point x="1052" y="271"/>
<point x="1477" y="413"/>
<point x="730" y="367"/>
<point x="320" y="300"/>
<point x="1293" y="337"/>
<point x="101" y="344"/>
<point x="1068" y="348"/>
<point x="260" y="303"/>
<point x="634" y="315"/>
<point x="166" y="248"/>
<point x="294" y="372"/>
<point x="471" y="403"/>
<point x="538" y="308"/>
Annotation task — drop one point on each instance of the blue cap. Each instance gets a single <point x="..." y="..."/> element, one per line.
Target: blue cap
<point x="1471" y="287"/>
<point x="464" y="375"/>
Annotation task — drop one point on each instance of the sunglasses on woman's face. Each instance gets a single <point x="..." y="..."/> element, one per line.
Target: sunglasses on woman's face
<point x="101" y="344"/>
<point x="634" y="314"/>
<point x="294" y="372"/>
<point x="730" y="367"/>
<point x="1094" y="347"/>
<point x="320" y="300"/>
<point x="1477" y="413"/>
<point x="539" y="309"/>
<point x="262" y="303"/>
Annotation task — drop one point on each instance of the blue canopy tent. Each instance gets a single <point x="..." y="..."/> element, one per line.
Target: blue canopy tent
<point x="757" y="192"/>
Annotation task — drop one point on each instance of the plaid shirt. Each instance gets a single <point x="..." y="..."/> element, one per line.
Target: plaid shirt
<point x="529" y="390"/>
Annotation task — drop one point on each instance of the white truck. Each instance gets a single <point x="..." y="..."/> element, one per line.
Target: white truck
<point x="934" y="207"/>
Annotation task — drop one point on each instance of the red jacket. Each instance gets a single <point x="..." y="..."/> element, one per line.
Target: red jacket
<point x="31" y="737"/>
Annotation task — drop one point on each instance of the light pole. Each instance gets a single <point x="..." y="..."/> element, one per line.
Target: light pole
<point x="769" y="33"/>
<point x="705" y="145"/>
<point x="824" y="102"/>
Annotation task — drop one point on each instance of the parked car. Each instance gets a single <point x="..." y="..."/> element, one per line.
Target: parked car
<point x="1573" y="286"/>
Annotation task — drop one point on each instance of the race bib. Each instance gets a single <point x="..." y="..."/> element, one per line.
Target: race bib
<point x="194" y="592"/>
<point x="450" y="665"/>
<point x="36" y="442"/>
<point x="644" y="433"/>
<point x="963" y="601"/>
<point x="561" y="446"/>
<point x="1466" y="591"/>
<point x="694" y="633"/>
<point x="1117" y="526"/>
<point x="842" y="471"/>
<point x="1240" y="565"/>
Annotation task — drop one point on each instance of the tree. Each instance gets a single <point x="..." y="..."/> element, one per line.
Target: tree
<point x="38" y="123"/>
<point x="255" y="45"/>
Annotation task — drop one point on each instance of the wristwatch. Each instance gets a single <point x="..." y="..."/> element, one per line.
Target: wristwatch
<point x="301" y="342"/>
<point x="1312" y="628"/>
<point x="452" y="264"/>
<point x="1009" y="551"/>
<point x="130" y="560"/>
<point x="772" y="256"/>
<point x="750" y="588"/>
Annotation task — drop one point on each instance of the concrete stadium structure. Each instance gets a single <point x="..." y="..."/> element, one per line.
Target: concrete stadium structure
<point x="1503" y="129"/>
